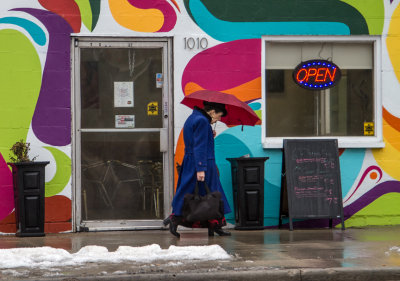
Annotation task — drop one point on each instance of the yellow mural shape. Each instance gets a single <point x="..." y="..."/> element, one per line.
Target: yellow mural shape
<point x="388" y="158"/>
<point x="393" y="41"/>
<point x="142" y="20"/>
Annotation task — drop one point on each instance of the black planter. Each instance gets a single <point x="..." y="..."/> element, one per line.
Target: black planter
<point x="248" y="191"/>
<point x="28" y="181"/>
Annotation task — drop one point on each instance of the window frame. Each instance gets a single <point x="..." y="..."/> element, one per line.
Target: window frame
<point x="343" y="142"/>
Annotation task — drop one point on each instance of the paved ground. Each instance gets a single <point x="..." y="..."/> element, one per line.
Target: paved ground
<point x="313" y="254"/>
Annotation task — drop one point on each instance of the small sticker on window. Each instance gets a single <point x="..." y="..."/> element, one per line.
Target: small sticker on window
<point x="152" y="108"/>
<point x="369" y="129"/>
<point x="159" y="80"/>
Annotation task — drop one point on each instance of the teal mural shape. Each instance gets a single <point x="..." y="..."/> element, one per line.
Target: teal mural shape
<point x="33" y="29"/>
<point x="234" y="142"/>
<point x="351" y="162"/>
<point x="227" y="20"/>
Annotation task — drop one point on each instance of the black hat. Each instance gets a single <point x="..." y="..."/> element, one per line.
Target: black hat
<point x="220" y="107"/>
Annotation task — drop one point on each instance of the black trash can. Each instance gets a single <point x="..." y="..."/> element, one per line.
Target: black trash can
<point x="248" y="192"/>
<point x="29" y="184"/>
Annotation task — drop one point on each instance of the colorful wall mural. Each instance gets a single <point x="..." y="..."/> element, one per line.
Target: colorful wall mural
<point x="35" y="87"/>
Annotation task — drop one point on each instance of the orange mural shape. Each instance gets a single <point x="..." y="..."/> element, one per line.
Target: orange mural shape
<point x="179" y="153"/>
<point x="245" y="92"/>
<point x="57" y="216"/>
<point x="391" y="119"/>
<point x="8" y="224"/>
<point x="142" y="20"/>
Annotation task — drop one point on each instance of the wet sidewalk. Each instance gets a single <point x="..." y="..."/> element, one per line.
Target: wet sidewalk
<point x="312" y="254"/>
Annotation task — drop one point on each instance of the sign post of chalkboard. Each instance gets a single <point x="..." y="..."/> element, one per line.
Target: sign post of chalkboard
<point x="311" y="186"/>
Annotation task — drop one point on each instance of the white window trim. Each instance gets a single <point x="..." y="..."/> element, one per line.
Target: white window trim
<point x="343" y="142"/>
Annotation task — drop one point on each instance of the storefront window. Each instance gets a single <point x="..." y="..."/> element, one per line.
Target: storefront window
<point x="345" y="110"/>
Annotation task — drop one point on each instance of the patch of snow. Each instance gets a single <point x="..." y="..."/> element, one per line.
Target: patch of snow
<point x="52" y="274"/>
<point x="6" y="234"/>
<point x="174" y="263"/>
<point x="47" y="257"/>
<point x="120" y="272"/>
<point x="394" y="249"/>
<point x="14" y="272"/>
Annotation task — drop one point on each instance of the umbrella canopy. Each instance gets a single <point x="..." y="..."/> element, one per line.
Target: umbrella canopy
<point x="239" y="113"/>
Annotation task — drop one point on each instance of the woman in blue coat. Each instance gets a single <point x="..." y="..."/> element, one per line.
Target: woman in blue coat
<point x="199" y="165"/>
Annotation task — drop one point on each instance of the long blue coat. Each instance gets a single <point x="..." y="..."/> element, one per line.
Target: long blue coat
<point x="199" y="156"/>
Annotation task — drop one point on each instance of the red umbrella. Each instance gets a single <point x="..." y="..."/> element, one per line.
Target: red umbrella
<point x="239" y="113"/>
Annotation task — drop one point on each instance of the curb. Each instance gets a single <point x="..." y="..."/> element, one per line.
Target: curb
<point x="302" y="274"/>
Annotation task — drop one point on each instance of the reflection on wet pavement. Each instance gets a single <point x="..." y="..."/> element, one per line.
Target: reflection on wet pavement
<point x="251" y="250"/>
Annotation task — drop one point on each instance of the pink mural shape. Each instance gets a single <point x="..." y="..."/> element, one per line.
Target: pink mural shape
<point x="225" y="66"/>
<point x="372" y="176"/>
<point x="162" y="5"/>
<point x="6" y="190"/>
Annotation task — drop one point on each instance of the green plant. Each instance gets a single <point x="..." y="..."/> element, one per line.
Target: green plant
<point x="20" y="150"/>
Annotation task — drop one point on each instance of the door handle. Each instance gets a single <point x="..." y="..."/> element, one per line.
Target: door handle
<point x="163" y="140"/>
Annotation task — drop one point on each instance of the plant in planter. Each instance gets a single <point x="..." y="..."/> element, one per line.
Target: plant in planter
<point x="20" y="151"/>
<point x="29" y="184"/>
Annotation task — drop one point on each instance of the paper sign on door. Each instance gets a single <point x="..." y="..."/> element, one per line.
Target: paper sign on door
<point x="123" y="94"/>
<point x="124" y="121"/>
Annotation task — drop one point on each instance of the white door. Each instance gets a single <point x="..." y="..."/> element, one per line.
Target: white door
<point x="122" y="133"/>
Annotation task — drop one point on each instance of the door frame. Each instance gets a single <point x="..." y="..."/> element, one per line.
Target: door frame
<point x="77" y="42"/>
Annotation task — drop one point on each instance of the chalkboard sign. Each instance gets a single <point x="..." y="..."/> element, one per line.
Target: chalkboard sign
<point x="311" y="187"/>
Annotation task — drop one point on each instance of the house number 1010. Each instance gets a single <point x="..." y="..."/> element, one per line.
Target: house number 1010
<point x="198" y="43"/>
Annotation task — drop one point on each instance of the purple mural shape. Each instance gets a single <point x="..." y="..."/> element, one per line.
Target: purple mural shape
<point x="51" y="121"/>
<point x="162" y="5"/>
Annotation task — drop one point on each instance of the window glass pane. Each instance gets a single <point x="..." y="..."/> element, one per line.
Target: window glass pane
<point x="292" y="111"/>
<point x="120" y="82"/>
<point x="122" y="176"/>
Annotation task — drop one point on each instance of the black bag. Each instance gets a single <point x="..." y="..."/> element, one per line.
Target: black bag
<point x="202" y="208"/>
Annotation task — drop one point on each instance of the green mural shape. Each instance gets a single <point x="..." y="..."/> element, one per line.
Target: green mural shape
<point x="383" y="211"/>
<point x="373" y="12"/>
<point x="90" y="11"/>
<point x="86" y="12"/>
<point x="63" y="172"/>
<point x="286" y="11"/>
<point x="20" y="81"/>
<point x="95" y="5"/>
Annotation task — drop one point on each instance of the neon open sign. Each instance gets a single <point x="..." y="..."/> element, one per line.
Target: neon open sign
<point x="316" y="74"/>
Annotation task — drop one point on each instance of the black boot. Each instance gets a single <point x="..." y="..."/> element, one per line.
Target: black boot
<point x="219" y="231"/>
<point x="222" y="232"/>
<point x="172" y="226"/>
